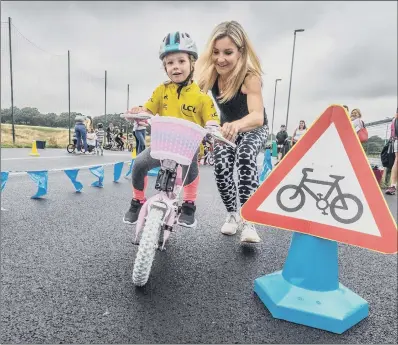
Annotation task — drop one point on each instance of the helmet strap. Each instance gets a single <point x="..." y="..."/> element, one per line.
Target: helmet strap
<point x="184" y="83"/>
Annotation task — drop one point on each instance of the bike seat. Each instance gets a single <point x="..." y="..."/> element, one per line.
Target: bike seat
<point x="337" y="177"/>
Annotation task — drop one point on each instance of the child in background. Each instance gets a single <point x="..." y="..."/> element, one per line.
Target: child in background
<point x="100" y="133"/>
<point x="91" y="138"/>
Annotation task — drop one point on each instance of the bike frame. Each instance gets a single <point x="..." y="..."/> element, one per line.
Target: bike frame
<point x="333" y="185"/>
<point x="167" y="202"/>
<point x="209" y="151"/>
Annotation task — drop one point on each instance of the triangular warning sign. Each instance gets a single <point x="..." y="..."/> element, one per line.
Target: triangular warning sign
<point x="325" y="187"/>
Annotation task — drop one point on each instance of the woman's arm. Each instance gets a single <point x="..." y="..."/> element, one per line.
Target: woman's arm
<point x="255" y="105"/>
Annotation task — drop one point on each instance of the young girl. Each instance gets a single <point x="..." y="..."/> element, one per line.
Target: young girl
<point x="182" y="98"/>
<point x="100" y="133"/>
<point x="231" y="70"/>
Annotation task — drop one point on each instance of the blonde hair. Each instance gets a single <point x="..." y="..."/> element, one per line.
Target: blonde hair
<point x="358" y="111"/>
<point x="248" y="63"/>
<point x="89" y="123"/>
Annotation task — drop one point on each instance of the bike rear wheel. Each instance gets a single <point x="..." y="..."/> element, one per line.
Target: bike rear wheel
<point x="294" y="191"/>
<point x="345" y="197"/>
<point x="147" y="247"/>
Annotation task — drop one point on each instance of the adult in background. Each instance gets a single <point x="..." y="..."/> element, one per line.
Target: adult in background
<point x="394" y="171"/>
<point x="119" y="140"/>
<point x="356" y="120"/>
<point x="230" y="68"/>
<point x="109" y="131"/>
<point x="135" y="136"/>
<point x="298" y="132"/>
<point x="281" y="139"/>
<point x="140" y="132"/>
<point x="81" y="133"/>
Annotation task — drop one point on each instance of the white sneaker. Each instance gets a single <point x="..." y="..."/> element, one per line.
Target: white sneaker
<point x="249" y="233"/>
<point x="231" y="224"/>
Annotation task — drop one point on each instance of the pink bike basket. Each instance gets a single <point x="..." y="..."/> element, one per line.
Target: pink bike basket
<point x="175" y="139"/>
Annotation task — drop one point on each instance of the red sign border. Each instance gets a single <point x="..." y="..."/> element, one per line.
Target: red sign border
<point x="386" y="243"/>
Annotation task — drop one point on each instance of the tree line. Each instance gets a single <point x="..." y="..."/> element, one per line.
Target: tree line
<point x="33" y="117"/>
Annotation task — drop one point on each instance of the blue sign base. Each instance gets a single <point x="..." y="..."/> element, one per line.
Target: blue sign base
<point x="307" y="290"/>
<point x="153" y="172"/>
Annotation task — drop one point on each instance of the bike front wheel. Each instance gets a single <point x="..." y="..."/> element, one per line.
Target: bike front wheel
<point x="210" y="159"/>
<point x="352" y="200"/>
<point x="70" y="148"/>
<point x="290" y="198"/>
<point x="147" y="247"/>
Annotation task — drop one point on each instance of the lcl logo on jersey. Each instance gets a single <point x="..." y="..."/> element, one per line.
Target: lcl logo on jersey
<point x="188" y="110"/>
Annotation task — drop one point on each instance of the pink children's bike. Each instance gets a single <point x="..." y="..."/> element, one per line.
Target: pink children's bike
<point x="174" y="142"/>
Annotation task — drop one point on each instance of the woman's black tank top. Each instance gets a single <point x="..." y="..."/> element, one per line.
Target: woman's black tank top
<point x="234" y="109"/>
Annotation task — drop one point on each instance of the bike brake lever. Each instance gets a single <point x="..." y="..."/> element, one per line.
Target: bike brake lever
<point x="219" y="137"/>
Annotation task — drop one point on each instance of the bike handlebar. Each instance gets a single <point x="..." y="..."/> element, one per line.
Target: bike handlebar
<point x="136" y="117"/>
<point x="215" y="133"/>
<point x="211" y="129"/>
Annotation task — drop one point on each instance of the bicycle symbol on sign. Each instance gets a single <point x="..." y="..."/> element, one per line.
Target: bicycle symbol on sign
<point x="322" y="202"/>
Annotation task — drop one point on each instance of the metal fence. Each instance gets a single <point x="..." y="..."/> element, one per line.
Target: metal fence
<point x="379" y="133"/>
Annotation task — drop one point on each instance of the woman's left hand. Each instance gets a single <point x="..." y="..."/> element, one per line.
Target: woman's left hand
<point x="230" y="130"/>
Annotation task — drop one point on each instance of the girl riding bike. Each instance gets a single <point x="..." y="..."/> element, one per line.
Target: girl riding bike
<point x="179" y="97"/>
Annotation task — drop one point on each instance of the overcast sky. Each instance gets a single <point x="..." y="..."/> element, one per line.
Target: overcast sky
<point x="347" y="54"/>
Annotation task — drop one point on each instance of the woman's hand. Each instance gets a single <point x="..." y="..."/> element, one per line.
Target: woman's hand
<point x="230" y="130"/>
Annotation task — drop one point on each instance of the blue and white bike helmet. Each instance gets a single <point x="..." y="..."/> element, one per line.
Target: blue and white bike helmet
<point x="175" y="42"/>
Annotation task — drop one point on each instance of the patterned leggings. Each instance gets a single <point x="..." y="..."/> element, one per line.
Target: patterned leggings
<point x="245" y="155"/>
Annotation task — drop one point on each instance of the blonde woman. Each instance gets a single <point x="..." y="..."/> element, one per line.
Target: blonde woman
<point x="356" y="119"/>
<point x="230" y="68"/>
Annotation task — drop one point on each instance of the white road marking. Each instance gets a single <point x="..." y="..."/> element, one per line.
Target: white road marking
<point x="58" y="157"/>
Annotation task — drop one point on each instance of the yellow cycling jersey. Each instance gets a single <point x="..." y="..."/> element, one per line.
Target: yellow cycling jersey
<point x="192" y="105"/>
